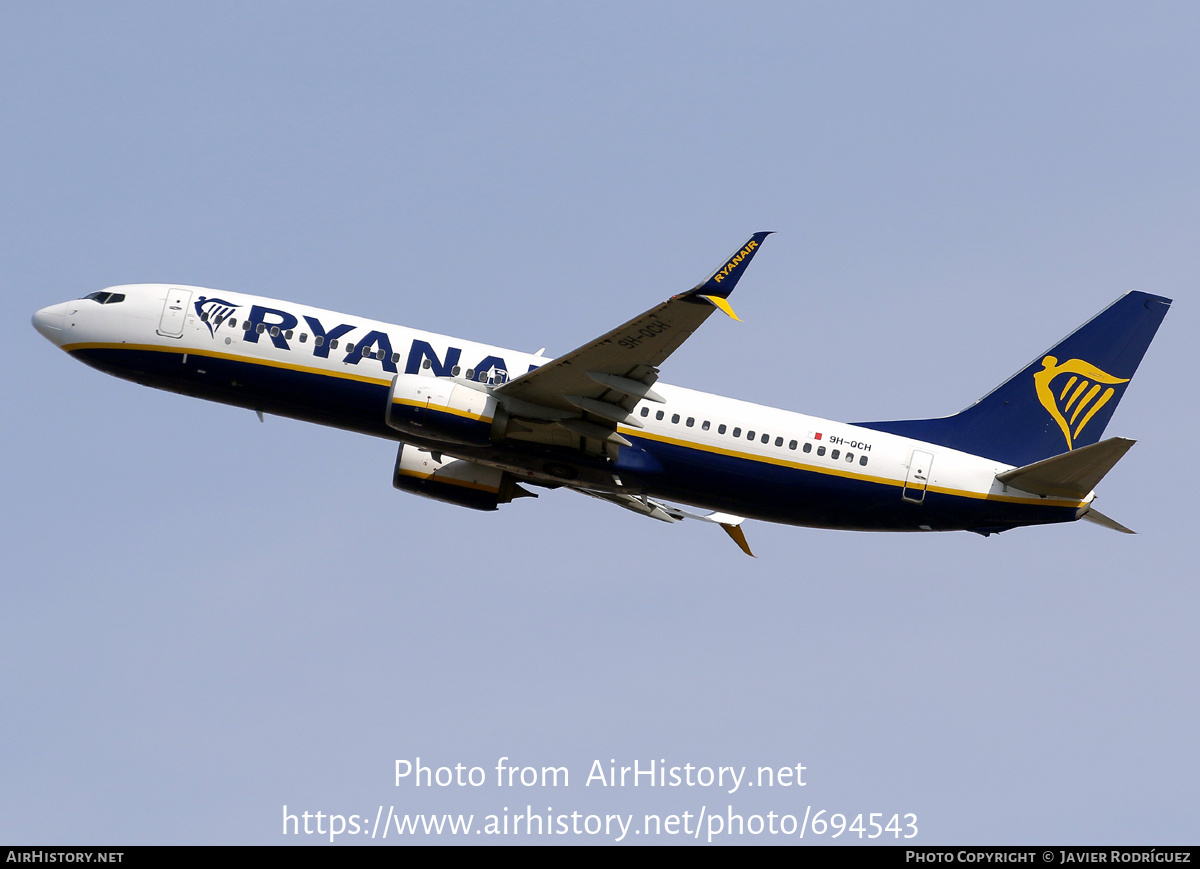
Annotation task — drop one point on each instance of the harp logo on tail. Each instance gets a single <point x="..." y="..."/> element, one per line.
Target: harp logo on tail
<point x="1082" y="390"/>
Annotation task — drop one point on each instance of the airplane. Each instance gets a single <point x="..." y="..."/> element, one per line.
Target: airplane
<point x="478" y="424"/>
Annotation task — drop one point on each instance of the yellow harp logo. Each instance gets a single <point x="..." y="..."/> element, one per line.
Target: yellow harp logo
<point x="1082" y="393"/>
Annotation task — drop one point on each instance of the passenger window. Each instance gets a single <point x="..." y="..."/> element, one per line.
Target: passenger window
<point x="850" y="457"/>
<point x="645" y="411"/>
<point x="396" y="358"/>
<point x="658" y="415"/>
<point x="232" y="322"/>
<point x="820" y="451"/>
<point x="379" y="354"/>
<point x="349" y="347"/>
<point x="260" y="328"/>
<point x="691" y="421"/>
<point x="426" y="364"/>
<point x="246" y="326"/>
<point x="737" y="432"/>
<point x="454" y="371"/>
<point x="333" y="344"/>
<point x="303" y="337"/>
<point x="835" y="454"/>
<point x="470" y="374"/>
<point x="807" y="447"/>
<point x="675" y="418"/>
<point x="204" y="316"/>
<point x="705" y="426"/>
<point x="750" y="435"/>
<point x="791" y="445"/>
<point x="862" y="460"/>
<point x="319" y="340"/>
<point x="721" y="428"/>
<point x="274" y="331"/>
<point x="766" y="438"/>
<point x="288" y="334"/>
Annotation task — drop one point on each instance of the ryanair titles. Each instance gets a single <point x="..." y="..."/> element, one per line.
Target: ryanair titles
<point x="284" y="330"/>
<point x="735" y="261"/>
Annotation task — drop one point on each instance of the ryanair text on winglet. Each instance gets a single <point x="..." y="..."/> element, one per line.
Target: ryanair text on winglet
<point x="733" y="263"/>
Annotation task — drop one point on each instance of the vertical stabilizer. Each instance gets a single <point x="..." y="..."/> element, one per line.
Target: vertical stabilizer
<point x="1061" y="401"/>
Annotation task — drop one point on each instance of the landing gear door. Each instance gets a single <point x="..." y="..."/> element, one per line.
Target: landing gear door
<point x="174" y="313"/>
<point x="918" y="476"/>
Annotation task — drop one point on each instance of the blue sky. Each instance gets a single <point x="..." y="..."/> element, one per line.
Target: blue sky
<point x="208" y="618"/>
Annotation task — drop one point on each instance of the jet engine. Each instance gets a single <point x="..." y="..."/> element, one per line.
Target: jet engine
<point x="438" y="408"/>
<point x="458" y="481"/>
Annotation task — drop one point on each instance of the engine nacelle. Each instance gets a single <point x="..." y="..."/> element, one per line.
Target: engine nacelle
<point x="458" y="481"/>
<point x="437" y="408"/>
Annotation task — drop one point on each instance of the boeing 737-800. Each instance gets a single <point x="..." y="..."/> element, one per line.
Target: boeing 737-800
<point x="475" y="422"/>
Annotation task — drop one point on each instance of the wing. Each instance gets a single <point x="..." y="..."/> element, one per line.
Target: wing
<point x="664" y="512"/>
<point x="591" y="389"/>
<point x="578" y="399"/>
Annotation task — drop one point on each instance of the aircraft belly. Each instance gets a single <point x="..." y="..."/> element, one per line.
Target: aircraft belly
<point x="800" y="496"/>
<point x="312" y="396"/>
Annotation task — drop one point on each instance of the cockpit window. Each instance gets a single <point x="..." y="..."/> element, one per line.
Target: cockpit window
<point x="106" y="298"/>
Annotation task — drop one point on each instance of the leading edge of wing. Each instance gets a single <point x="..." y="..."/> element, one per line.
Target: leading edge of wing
<point x="636" y="348"/>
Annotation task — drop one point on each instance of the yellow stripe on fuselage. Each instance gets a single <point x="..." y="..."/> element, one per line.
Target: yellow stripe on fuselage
<point x="849" y="475"/>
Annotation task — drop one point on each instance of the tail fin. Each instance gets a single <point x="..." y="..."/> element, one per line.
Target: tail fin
<point x="1061" y="401"/>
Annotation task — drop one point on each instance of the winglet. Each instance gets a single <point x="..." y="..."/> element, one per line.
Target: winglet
<point x="723" y="304"/>
<point x="721" y="282"/>
<point x="739" y="537"/>
<point x="731" y="525"/>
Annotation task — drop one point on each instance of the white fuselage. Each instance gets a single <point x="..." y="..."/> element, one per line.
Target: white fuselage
<point x="309" y="363"/>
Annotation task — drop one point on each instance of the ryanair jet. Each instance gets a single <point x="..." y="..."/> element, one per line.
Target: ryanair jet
<point x="477" y="424"/>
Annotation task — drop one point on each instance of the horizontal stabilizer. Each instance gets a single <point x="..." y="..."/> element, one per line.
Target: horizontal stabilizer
<point x="1069" y="475"/>
<point x="1099" y="518"/>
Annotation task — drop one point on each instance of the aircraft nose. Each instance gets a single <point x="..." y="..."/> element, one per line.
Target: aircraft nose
<point x="49" y="321"/>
